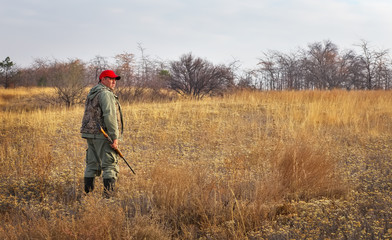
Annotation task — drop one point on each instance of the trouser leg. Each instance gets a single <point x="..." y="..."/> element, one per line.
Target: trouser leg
<point x="109" y="157"/>
<point x="93" y="159"/>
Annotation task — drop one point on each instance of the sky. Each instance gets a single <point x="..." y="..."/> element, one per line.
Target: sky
<point x="220" y="31"/>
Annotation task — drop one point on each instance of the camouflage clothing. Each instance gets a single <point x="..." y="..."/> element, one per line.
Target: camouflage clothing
<point x="102" y="109"/>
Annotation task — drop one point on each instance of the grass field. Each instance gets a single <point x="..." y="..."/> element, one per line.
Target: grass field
<point x="249" y="165"/>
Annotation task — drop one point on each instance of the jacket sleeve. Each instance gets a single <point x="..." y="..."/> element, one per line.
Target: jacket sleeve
<point x="108" y="106"/>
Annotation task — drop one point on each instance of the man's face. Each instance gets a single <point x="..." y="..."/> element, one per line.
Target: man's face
<point x="109" y="82"/>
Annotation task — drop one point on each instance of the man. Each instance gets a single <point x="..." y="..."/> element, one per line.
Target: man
<point x="102" y="108"/>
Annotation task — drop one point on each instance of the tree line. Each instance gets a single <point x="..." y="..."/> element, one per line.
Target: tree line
<point x="321" y="65"/>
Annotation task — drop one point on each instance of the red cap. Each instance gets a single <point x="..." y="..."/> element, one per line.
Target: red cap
<point x="109" y="74"/>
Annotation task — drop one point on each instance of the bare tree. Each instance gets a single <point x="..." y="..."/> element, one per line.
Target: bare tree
<point x="374" y="65"/>
<point x="23" y="77"/>
<point x="94" y="68"/>
<point x="247" y="80"/>
<point x="99" y="64"/>
<point x="69" y="81"/>
<point x="125" y="65"/>
<point x="349" y="73"/>
<point x="41" y="72"/>
<point x="130" y="87"/>
<point x="197" y="77"/>
<point x="320" y="64"/>
<point x="149" y="71"/>
<point x="282" y="71"/>
<point x="269" y="69"/>
<point x="144" y="65"/>
<point x="387" y="74"/>
<point x="142" y="77"/>
<point x="291" y="74"/>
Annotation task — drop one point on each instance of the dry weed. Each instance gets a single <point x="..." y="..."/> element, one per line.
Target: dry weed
<point x="251" y="165"/>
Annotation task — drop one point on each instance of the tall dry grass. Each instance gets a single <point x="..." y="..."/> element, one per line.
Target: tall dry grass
<point x="250" y="165"/>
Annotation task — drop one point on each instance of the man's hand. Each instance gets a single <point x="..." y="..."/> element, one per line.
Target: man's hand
<point x="115" y="144"/>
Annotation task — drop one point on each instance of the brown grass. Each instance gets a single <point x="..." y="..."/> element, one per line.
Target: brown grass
<point x="251" y="165"/>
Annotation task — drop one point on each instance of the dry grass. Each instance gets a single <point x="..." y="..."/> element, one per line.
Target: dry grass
<point x="25" y="99"/>
<point x="251" y="165"/>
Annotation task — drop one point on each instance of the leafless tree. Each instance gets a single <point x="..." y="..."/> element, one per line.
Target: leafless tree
<point x="269" y="69"/>
<point x="41" y="72"/>
<point x="125" y="67"/>
<point x="282" y="71"/>
<point x="374" y="65"/>
<point x="321" y="65"/>
<point x="247" y="80"/>
<point x="349" y="73"/>
<point x="69" y="81"/>
<point x="291" y="76"/>
<point x="129" y="88"/>
<point x="197" y="78"/>
<point x="98" y="64"/>
<point x="149" y="71"/>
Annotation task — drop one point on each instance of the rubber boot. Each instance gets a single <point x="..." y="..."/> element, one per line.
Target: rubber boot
<point x="88" y="184"/>
<point x="108" y="185"/>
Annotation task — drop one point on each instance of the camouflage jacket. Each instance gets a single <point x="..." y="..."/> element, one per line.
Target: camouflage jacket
<point x="102" y="108"/>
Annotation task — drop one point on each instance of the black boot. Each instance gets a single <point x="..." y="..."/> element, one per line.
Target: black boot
<point x="88" y="184"/>
<point x="109" y="184"/>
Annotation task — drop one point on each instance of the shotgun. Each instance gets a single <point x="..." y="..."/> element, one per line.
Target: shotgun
<point x="116" y="149"/>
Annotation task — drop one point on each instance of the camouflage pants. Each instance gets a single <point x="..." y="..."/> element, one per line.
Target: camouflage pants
<point x="101" y="158"/>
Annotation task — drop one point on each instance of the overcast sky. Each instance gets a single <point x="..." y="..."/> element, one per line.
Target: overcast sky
<point x="217" y="30"/>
